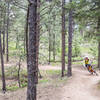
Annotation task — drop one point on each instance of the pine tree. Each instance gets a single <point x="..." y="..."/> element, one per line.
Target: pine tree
<point x="63" y="37"/>
<point x="32" y="56"/>
<point x="70" y="32"/>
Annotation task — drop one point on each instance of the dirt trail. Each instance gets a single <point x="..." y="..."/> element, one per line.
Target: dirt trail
<point x="81" y="86"/>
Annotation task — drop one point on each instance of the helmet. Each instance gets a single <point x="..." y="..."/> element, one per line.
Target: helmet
<point x="86" y="58"/>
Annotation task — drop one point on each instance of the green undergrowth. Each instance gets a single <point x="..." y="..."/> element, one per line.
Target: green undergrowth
<point x="48" y="76"/>
<point x="77" y="63"/>
<point x="76" y="59"/>
<point x="98" y="85"/>
<point x="56" y="63"/>
<point x="12" y="88"/>
<point x="94" y="63"/>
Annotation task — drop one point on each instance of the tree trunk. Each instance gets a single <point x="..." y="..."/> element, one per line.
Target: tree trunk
<point x="24" y="45"/>
<point x="17" y="40"/>
<point x="7" y="50"/>
<point x="3" y="42"/>
<point x="2" y="67"/>
<point x="19" y="67"/>
<point x="54" y="39"/>
<point x="70" y="32"/>
<point x="49" y="45"/>
<point x="38" y="36"/>
<point x="26" y="34"/>
<point x="4" y="31"/>
<point x="98" y="30"/>
<point x="32" y="56"/>
<point x="99" y="55"/>
<point x="63" y="37"/>
<point x="54" y="47"/>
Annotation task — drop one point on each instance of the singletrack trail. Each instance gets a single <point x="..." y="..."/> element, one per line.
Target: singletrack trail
<point x="81" y="86"/>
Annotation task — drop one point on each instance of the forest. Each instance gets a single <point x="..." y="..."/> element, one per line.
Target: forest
<point x="49" y="49"/>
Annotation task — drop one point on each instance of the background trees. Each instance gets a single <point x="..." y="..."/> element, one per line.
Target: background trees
<point x="55" y="41"/>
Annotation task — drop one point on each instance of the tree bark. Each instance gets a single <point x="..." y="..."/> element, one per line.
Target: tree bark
<point x="54" y="39"/>
<point x="70" y="32"/>
<point x="2" y="67"/>
<point x="7" y="50"/>
<point x="49" y="42"/>
<point x="54" y="50"/>
<point x="32" y="56"/>
<point x="24" y="44"/>
<point x="99" y="55"/>
<point x="38" y="36"/>
<point x="63" y="37"/>
<point x="19" y="67"/>
<point x="49" y="45"/>
<point x="27" y="34"/>
<point x="4" y="25"/>
<point x="98" y="30"/>
<point x="17" y="40"/>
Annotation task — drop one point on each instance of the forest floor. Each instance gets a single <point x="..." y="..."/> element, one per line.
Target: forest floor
<point x="81" y="86"/>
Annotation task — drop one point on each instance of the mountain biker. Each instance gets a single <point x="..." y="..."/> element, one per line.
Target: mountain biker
<point x="89" y="66"/>
<point x="86" y="61"/>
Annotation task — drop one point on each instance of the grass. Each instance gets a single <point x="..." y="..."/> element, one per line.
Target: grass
<point x="49" y="76"/>
<point x="12" y="88"/>
<point x="95" y="63"/>
<point x="43" y="81"/>
<point x="56" y="63"/>
<point x="98" y="85"/>
<point x="24" y="85"/>
<point x="11" y="73"/>
<point x="79" y="63"/>
<point x="77" y="58"/>
<point x="52" y="72"/>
